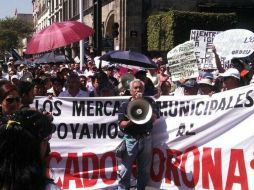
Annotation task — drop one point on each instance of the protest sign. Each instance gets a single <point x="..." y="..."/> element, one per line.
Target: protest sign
<point x="203" y="41"/>
<point x="234" y="43"/>
<point x="182" y="62"/>
<point x="199" y="142"/>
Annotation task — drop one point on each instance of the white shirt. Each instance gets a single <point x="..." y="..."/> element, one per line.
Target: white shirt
<point x="179" y="91"/>
<point x="81" y="93"/>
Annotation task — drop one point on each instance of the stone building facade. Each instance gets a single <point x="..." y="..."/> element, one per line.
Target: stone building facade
<point x="128" y="16"/>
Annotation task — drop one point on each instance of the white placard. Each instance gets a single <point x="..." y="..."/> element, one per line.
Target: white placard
<point x="234" y="43"/>
<point x="182" y="62"/>
<point x="203" y="41"/>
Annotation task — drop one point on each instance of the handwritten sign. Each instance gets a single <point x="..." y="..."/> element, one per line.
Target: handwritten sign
<point x="182" y="61"/>
<point x="234" y="43"/>
<point x="203" y="41"/>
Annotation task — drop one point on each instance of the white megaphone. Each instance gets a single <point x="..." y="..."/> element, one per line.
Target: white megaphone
<point x="139" y="111"/>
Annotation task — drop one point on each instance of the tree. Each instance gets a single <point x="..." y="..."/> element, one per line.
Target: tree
<point x="12" y="31"/>
<point x="8" y="39"/>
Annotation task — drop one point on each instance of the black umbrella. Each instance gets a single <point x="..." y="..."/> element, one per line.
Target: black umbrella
<point x="51" y="57"/>
<point x="129" y="58"/>
<point x="13" y="53"/>
<point x="23" y="61"/>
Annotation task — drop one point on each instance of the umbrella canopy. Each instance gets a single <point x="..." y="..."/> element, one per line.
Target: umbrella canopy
<point x="129" y="58"/>
<point x="58" y="35"/>
<point x="23" y="61"/>
<point x="51" y="57"/>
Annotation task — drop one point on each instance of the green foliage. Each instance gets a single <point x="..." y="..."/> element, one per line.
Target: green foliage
<point x="168" y="29"/>
<point x="22" y="27"/>
<point x="8" y="39"/>
<point x="160" y="36"/>
<point x="12" y="30"/>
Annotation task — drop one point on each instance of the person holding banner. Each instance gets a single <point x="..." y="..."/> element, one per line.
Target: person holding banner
<point x="137" y="136"/>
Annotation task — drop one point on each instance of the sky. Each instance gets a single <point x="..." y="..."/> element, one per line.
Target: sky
<point x="7" y="7"/>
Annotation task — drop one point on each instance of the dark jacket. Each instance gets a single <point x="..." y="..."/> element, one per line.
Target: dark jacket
<point x="135" y="129"/>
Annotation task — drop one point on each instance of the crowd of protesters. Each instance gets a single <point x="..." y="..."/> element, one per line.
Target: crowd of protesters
<point x="70" y="81"/>
<point x="19" y="84"/>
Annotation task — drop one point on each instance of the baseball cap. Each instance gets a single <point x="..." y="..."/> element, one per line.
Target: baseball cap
<point x="190" y="83"/>
<point x="208" y="75"/>
<point x="231" y="72"/>
<point x="206" y="81"/>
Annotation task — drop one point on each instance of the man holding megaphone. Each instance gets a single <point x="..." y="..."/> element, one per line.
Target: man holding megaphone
<point x="136" y="118"/>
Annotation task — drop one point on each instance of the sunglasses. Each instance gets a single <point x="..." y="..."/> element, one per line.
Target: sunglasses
<point x="11" y="100"/>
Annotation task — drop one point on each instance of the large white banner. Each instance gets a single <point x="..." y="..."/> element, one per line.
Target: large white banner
<point x="200" y="142"/>
<point x="182" y="62"/>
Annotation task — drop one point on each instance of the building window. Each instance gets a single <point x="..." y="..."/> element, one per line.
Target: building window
<point x="61" y="15"/>
<point x="65" y="11"/>
<point x="57" y="3"/>
<point x="75" y="8"/>
<point x="57" y="17"/>
<point x="52" y="6"/>
<point x="70" y="9"/>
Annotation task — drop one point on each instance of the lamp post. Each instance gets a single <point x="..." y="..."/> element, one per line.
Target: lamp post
<point x="81" y="42"/>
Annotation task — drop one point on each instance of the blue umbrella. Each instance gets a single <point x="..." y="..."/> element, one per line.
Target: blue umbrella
<point x="129" y="58"/>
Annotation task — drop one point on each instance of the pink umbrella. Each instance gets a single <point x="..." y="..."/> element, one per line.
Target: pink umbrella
<point x="58" y="35"/>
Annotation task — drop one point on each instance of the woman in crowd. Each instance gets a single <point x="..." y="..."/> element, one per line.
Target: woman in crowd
<point x="9" y="100"/>
<point x="24" y="147"/>
<point x="165" y="88"/>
